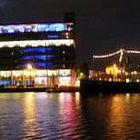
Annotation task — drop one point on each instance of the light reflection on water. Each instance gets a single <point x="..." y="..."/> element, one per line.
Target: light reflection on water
<point x="69" y="116"/>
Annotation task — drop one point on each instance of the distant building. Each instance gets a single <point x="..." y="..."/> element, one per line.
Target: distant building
<point x="38" y="54"/>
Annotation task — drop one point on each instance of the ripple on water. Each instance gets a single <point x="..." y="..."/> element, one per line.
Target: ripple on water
<point x="69" y="116"/>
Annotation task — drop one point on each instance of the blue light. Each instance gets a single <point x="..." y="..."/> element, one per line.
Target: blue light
<point x="43" y="65"/>
<point x="23" y="28"/>
<point x="4" y="82"/>
<point x="54" y="27"/>
<point x="53" y="36"/>
<point x="38" y="50"/>
<point x="40" y="57"/>
<point x="36" y="57"/>
<point x="28" y="50"/>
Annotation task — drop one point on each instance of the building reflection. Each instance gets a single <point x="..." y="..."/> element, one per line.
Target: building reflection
<point x="119" y="116"/>
<point x="117" y="109"/>
<point x="77" y="98"/>
<point x="70" y="111"/>
<point x="29" y="112"/>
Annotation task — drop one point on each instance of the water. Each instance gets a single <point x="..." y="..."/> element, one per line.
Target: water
<point x="69" y="116"/>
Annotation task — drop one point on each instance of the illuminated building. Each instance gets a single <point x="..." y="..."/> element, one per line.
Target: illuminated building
<point x="49" y="49"/>
<point x="112" y="70"/>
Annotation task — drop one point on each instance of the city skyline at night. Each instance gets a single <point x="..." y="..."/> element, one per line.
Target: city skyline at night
<point x="70" y="70"/>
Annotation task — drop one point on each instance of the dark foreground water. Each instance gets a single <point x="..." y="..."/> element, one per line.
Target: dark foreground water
<point x="68" y="116"/>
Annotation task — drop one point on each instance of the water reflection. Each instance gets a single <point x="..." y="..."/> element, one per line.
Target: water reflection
<point x="124" y="113"/>
<point x="11" y="117"/>
<point x="29" y="113"/>
<point x="69" y="116"/>
<point x="117" y="117"/>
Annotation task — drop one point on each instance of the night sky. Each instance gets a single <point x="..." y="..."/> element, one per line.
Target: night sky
<point x="101" y="25"/>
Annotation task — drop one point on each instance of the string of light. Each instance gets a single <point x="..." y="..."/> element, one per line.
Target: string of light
<point x="133" y="51"/>
<point x="106" y="55"/>
<point x="121" y="52"/>
<point x="121" y="55"/>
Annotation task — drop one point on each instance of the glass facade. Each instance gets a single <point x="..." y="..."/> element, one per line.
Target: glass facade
<point x="43" y="27"/>
<point x="37" y="54"/>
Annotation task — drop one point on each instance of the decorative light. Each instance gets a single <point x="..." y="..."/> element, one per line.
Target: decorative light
<point x="106" y="55"/>
<point x="121" y="55"/>
<point x="36" y="43"/>
<point x="133" y="51"/>
<point x="121" y="52"/>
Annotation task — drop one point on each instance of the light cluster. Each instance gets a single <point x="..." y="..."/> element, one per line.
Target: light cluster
<point x="36" y="43"/>
<point x="121" y="52"/>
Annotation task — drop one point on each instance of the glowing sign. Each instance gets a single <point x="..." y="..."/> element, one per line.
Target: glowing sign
<point x="25" y="28"/>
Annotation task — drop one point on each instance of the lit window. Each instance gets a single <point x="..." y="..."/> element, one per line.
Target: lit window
<point x="36" y="43"/>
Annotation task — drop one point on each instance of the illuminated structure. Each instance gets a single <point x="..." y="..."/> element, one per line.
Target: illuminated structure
<point x="112" y="70"/>
<point x="121" y="52"/>
<point x="40" y="54"/>
<point x="123" y="69"/>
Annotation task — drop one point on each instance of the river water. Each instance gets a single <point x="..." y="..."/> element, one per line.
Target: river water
<point x="69" y="116"/>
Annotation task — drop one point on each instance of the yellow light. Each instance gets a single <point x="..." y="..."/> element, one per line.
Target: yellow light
<point x="135" y="72"/>
<point x="127" y="94"/>
<point x="127" y="80"/>
<point x="114" y="65"/>
<point x="77" y="83"/>
<point x="81" y="74"/>
<point x="126" y="73"/>
<point x="113" y="70"/>
<point x="29" y="66"/>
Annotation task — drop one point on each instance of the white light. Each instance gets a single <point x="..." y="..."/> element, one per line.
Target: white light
<point x="81" y="74"/>
<point x="127" y="94"/>
<point x="135" y="72"/>
<point x="121" y="52"/>
<point x="29" y="66"/>
<point x="35" y="43"/>
<point x="64" y="81"/>
<point x="110" y="79"/>
<point x="127" y="80"/>
<point x="106" y="55"/>
<point x="133" y="51"/>
<point x="121" y="55"/>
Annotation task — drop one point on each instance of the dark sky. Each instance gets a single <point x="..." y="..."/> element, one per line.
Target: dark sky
<point x="102" y="25"/>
